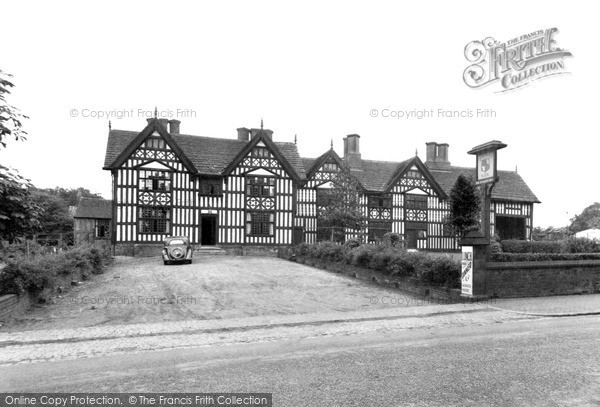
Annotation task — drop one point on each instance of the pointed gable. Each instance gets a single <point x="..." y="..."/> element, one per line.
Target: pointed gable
<point x="208" y="155"/>
<point x="276" y="149"/>
<point x="121" y="147"/>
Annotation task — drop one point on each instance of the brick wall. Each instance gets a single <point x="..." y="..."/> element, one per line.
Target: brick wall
<point x="13" y="304"/>
<point x="542" y="278"/>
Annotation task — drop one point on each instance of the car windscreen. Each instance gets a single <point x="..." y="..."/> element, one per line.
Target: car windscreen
<point x="176" y="242"/>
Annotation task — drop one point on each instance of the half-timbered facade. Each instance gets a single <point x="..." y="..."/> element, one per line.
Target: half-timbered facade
<point x="254" y="191"/>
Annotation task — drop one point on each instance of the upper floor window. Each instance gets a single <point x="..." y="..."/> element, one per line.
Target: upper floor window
<point x="380" y="201"/>
<point x="153" y="180"/>
<point x="155" y="143"/>
<point x="330" y="167"/>
<point x="260" y="186"/>
<point x="415" y="201"/>
<point x="414" y="174"/>
<point x="211" y="187"/>
<point x="260" y="152"/>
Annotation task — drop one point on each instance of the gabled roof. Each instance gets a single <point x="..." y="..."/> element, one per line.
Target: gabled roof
<point x="125" y="152"/>
<point x="312" y="165"/>
<point x="510" y="186"/>
<point x="93" y="208"/>
<point x="380" y="176"/>
<point x="208" y="155"/>
<point x="277" y="149"/>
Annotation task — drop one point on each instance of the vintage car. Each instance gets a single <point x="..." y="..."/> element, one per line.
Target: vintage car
<point x="177" y="249"/>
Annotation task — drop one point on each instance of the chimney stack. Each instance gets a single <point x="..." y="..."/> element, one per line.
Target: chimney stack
<point x="266" y="132"/>
<point x="437" y="156"/>
<point x="352" y="151"/>
<point x="174" y="126"/>
<point x="243" y="134"/>
<point x="165" y="123"/>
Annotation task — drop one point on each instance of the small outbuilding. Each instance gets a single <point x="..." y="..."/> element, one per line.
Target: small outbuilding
<point x="92" y="220"/>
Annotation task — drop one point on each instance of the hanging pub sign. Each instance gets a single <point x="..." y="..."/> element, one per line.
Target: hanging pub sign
<point x="487" y="169"/>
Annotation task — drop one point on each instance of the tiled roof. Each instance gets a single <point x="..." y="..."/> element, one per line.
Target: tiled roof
<point x="510" y="186"/>
<point x="94" y="208"/>
<point x="374" y="175"/>
<point x="208" y="154"/>
<point x="212" y="155"/>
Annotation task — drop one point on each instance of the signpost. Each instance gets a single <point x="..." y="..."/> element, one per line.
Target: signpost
<point x="476" y="244"/>
<point x="466" y="275"/>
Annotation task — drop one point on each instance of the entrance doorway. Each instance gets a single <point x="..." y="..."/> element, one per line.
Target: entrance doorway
<point x="411" y="238"/>
<point x="208" y="230"/>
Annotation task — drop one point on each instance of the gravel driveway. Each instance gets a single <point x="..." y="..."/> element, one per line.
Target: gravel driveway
<point x="140" y="290"/>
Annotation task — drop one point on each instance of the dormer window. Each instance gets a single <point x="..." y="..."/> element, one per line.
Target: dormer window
<point x="330" y="167"/>
<point x="155" y="143"/>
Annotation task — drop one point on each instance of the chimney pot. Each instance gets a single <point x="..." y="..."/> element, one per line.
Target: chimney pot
<point x="174" y="126"/>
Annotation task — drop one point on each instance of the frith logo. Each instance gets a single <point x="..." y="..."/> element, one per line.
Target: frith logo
<point x="514" y="63"/>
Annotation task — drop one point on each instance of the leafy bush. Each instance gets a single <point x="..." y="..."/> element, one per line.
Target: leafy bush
<point x="363" y="255"/>
<point x="509" y="257"/>
<point x="394" y="261"/>
<point x="582" y="245"/>
<point x="303" y="249"/>
<point x="526" y="246"/>
<point x="36" y="273"/>
<point x="439" y="271"/>
<point x="352" y="243"/>
<point x="392" y="239"/>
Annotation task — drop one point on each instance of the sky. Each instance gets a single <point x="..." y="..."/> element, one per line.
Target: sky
<point x="317" y="70"/>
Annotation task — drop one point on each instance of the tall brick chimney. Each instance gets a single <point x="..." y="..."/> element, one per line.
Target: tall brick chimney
<point x="352" y="151"/>
<point x="243" y="134"/>
<point x="437" y="156"/>
<point x="174" y="126"/>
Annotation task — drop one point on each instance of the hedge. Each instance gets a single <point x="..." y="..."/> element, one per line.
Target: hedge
<point x="391" y="260"/>
<point x="35" y="273"/>
<point x="510" y="257"/>
<point x="571" y="245"/>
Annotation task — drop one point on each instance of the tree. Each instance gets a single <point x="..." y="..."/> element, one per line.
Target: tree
<point x="18" y="213"/>
<point x="588" y="219"/>
<point x="343" y="209"/>
<point x="11" y="118"/>
<point x="465" y="206"/>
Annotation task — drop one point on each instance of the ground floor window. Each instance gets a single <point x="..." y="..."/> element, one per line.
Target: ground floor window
<point x="154" y="219"/>
<point x="102" y="228"/>
<point x="378" y="229"/>
<point x="511" y="227"/>
<point x="260" y="223"/>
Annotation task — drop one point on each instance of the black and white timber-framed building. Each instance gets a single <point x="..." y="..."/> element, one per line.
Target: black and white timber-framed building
<point x="253" y="191"/>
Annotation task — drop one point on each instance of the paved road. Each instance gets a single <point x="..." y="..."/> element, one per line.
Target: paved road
<point x="532" y="362"/>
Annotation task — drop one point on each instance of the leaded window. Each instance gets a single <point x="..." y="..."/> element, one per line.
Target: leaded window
<point x="260" y="152"/>
<point x="260" y="223"/>
<point x="102" y="228"/>
<point x="154" y="180"/>
<point x="415" y="201"/>
<point x="260" y="186"/>
<point x="211" y="187"/>
<point x="154" y="219"/>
